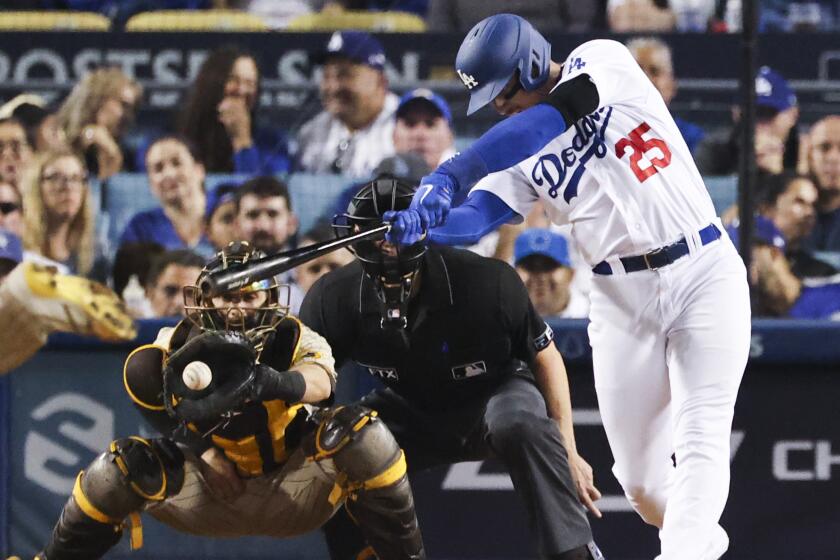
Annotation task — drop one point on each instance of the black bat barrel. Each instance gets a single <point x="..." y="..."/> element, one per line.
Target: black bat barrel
<point x="259" y="269"/>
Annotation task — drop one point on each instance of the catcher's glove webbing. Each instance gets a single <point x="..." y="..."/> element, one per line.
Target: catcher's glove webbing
<point x="231" y="359"/>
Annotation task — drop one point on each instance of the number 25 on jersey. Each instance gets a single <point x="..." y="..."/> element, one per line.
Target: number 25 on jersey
<point x="642" y="149"/>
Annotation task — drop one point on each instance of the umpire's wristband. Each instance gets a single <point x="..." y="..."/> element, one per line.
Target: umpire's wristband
<point x="271" y="384"/>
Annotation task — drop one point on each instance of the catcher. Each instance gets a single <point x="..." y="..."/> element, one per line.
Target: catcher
<point x="244" y="451"/>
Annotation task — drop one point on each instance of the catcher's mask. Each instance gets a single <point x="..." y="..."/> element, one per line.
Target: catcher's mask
<point x="254" y="310"/>
<point x="392" y="268"/>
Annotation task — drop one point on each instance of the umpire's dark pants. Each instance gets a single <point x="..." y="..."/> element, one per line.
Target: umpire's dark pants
<point x="511" y="424"/>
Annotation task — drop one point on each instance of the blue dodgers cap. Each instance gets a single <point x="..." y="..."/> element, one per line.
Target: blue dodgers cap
<point x="764" y="231"/>
<point x="426" y="96"/>
<point x="357" y="46"/>
<point x="10" y="246"/>
<point x="772" y="90"/>
<point x="539" y="241"/>
<point x="224" y="192"/>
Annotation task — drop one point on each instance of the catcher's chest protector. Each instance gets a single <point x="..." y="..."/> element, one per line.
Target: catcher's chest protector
<point x="261" y="435"/>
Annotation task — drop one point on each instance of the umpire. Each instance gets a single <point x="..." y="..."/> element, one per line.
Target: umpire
<point x="469" y="367"/>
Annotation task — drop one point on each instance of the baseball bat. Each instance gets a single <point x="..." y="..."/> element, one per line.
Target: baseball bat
<point x="266" y="267"/>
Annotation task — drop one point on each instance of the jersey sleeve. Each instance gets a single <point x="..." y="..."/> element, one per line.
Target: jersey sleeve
<point x="613" y="70"/>
<point x="513" y="188"/>
<point x="529" y="332"/>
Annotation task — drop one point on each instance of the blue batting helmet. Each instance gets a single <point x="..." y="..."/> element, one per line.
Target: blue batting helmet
<point x="494" y="50"/>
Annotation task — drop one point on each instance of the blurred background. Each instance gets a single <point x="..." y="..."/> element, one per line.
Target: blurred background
<point x="139" y="136"/>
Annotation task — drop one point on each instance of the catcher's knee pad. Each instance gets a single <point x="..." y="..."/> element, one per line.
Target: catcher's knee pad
<point x="133" y="471"/>
<point x="362" y="448"/>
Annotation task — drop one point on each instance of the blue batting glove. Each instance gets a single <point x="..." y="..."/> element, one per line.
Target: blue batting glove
<point x="405" y="227"/>
<point x="433" y="199"/>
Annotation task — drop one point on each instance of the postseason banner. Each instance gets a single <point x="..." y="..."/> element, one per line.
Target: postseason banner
<point x="65" y="406"/>
<point x="166" y="63"/>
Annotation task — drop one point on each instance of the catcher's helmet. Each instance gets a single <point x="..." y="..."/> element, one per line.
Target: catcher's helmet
<point x="495" y="49"/>
<point x="254" y="310"/>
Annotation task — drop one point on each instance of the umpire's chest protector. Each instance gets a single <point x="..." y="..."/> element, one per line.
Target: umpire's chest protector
<point x="458" y="342"/>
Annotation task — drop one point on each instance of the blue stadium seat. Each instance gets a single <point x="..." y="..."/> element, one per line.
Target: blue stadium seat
<point x="723" y="190"/>
<point x="128" y="193"/>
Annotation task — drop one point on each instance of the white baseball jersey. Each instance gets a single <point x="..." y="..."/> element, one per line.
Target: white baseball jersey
<point x="669" y="345"/>
<point x="622" y="176"/>
<point x="326" y="145"/>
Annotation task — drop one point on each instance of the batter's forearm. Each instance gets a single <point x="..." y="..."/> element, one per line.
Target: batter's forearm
<point x="482" y="213"/>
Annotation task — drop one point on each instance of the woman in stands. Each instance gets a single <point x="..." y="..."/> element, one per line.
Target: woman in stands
<point x="176" y="179"/>
<point x="220" y="118"/>
<point x="58" y="217"/>
<point x="96" y="114"/>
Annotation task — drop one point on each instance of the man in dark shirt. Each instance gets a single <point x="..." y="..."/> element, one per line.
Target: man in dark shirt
<point x="469" y="367"/>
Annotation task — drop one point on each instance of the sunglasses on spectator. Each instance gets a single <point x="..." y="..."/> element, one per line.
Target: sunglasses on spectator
<point x="8" y="207"/>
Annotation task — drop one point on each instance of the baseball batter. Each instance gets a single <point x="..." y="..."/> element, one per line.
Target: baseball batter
<point x="592" y="140"/>
<point x="244" y="451"/>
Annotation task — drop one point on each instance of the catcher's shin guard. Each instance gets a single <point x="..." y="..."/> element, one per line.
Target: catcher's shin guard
<point x="115" y="486"/>
<point x="372" y="476"/>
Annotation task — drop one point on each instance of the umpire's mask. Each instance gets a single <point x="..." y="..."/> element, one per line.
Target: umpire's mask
<point x="392" y="268"/>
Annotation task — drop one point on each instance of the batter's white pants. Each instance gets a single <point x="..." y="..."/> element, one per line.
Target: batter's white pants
<point x="669" y="351"/>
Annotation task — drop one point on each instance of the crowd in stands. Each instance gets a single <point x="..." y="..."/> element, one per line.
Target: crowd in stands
<point x="56" y="160"/>
<point x="461" y="15"/>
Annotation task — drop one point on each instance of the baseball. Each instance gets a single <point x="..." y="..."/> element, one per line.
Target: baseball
<point x="197" y="375"/>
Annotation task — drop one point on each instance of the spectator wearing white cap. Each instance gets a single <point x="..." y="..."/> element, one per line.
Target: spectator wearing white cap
<point x="354" y="132"/>
<point x="541" y="258"/>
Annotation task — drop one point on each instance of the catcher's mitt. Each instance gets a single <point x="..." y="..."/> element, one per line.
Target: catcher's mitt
<point x="231" y="359"/>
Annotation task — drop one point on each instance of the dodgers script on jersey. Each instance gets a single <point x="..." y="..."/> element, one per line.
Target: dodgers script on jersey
<point x="622" y="176"/>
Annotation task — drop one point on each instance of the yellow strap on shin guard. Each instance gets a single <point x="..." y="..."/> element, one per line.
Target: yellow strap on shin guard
<point x="88" y="508"/>
<point x="136" y="534"/>
<point x="386" y="478"/>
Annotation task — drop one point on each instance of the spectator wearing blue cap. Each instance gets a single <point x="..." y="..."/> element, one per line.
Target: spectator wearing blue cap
<point x="824" y="163"/>
<point x="424" y="127"/>
<point x="354" y="132"/>
<point x="777" y="115"/>
<point x="221" y="215"/>
<point x="541" y="257"/>
<point x="779" y="292"/>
